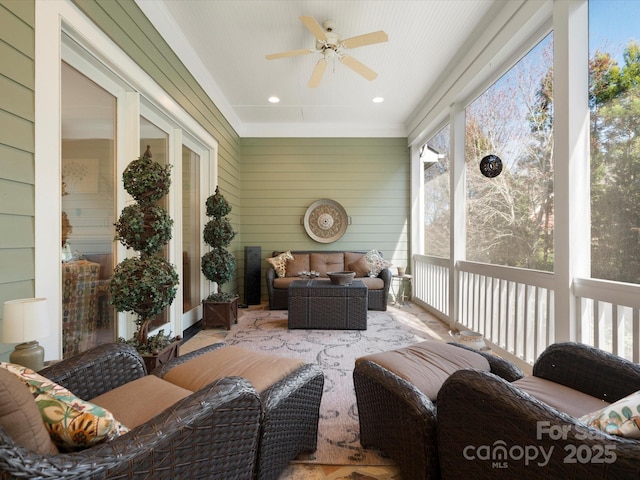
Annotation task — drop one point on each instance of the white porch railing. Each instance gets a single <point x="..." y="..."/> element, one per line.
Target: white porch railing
<point x="514" y="308"/>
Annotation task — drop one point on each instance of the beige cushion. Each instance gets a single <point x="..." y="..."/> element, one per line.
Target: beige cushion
<point x="72" y="423"/>
<point x="565" y="399"/>
<point x="299" y="263"/>
<point x="620" y="418"/>
<point x="20" y="417"/>
<point x="373" y="283"/>
<point x="360" y="266"/>
<point x="137" y="402"/>
<point x="326" y="262"/>
<point x="261" y="369"/>
<point x="427" y="365"/>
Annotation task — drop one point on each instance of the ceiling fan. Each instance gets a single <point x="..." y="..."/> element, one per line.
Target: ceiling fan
<point x="330" y="45"/>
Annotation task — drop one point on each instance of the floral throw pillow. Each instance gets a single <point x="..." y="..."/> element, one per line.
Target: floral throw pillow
<point x="72" y="423"/>
<point x="280" y="263"/>
<point x="375" y="260"/>
<point x="620" y="418"/>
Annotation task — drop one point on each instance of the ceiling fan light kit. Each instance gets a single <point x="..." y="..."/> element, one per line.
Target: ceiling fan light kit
<point x="329" y="44"/>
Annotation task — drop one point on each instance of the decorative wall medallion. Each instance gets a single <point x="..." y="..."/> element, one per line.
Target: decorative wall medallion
<point x="491" y="166"/>
<point x="325" y="221"/>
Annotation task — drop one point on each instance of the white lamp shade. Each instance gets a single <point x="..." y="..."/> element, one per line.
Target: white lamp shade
<point x="24" y="320"/>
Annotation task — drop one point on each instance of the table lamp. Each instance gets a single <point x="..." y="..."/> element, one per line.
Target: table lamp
<point x="23" y="321"/>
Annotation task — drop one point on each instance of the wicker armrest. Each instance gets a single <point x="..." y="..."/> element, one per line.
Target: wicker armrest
<point x="479" y="410"/>
<point x="97" y="370"/>
<point x="589" y="370"/>
<point x="499" y="366"/>
<point x="162" y="370"/>
<point x="212" y="433"/>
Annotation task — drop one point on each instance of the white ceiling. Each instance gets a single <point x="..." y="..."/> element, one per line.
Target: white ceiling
<point x="224" y="43"/>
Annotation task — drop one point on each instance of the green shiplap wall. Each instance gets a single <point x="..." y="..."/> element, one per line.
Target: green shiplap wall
<point x="369" y="177"/>
<point x="130" y="29"/>
<point x="17" y="113"/>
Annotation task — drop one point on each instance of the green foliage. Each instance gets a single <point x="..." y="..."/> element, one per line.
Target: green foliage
<point x="218" y="265"/>
<point x="144" y="228"/>
<point x="217" y="205"/>
<point x="155" y="343"/>
<point x="143" y="285"/>
<point x="218" y="232"/>
<point x="147" y="181"/>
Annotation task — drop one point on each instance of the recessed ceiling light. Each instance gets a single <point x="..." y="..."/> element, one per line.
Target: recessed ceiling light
<point x="274" y="99"/>
<point x="378" y="100"/>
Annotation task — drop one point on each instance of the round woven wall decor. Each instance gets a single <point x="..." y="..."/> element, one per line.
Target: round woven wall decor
<point x="325" y="221"/>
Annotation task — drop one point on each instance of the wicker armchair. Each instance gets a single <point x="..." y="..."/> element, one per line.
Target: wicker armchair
<point x="399" y="419"/>
<point x="480" y="409"/>
<point x="212" y="433"/>
<point x="289" y="420"/>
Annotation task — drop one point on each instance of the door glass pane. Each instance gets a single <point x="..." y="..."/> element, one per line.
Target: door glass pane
<point x="88" y="212"/>
<point x="190" y="229"/>
<point x="158" y="141"/>
<point x="435" y="158"/>
<point x="510" y="216"/>
<point x="614" y="100"/>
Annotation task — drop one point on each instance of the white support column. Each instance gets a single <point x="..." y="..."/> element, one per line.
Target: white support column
<point x="457" y="209"/>
<point x="128" y="149"/>
<point x="417" y="201"/>
<point x="571" y="158"/>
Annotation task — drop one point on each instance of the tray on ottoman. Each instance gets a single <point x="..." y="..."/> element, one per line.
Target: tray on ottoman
<point x="321" y="304"/>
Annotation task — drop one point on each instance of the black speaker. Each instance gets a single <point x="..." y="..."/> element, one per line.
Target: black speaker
<point x="252" y="275"/>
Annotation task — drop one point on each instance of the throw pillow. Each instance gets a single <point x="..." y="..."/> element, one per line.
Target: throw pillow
<point x="375" y="260"/>
<point x="280" y="263"/>
<point x="72" y="423"/>
<point x="360" y="266"/>
<point x="620" y="418"/>
<point x="20" y="418"/>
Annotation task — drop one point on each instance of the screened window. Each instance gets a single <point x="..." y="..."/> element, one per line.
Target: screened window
<point x="614" y="100"/>
<point x="510" y="216"/>
<point x="435" y="159"/>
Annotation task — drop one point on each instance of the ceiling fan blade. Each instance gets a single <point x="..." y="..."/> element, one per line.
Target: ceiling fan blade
<point x="314" y="27"/>
<point x="318" y="71"/>
<point x="366" y="39"/>
<point x="358" y="67"/>
<point x="292" y="53"/>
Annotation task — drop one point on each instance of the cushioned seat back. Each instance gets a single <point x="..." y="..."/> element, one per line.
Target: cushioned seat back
<point x="326" y="262"/>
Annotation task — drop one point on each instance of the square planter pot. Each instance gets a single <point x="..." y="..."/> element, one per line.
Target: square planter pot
<point x="219" y="314"/>
<point x="152" y="361"/>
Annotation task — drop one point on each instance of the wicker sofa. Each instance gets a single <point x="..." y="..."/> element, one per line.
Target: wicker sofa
<point x="323" y="262"/>
<point x="477" y="409"/>
<point x="211" y="433"/>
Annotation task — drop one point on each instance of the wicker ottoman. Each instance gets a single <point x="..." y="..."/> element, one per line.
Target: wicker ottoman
<point x="321" y="304"/>
<point x="396" y="393"/>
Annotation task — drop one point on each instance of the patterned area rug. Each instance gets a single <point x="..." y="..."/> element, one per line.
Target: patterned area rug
<point x="335" y="351"/>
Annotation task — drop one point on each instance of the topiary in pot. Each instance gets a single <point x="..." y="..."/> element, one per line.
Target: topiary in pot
<point x="147" y="284"/>
<point x="218" y="265"/>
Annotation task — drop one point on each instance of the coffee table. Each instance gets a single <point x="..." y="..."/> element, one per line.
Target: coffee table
<point x="323" y="305"/>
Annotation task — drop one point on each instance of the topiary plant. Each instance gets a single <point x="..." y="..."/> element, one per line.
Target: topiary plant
<point x="218" y="265"/>
<point x="147" y="284"/>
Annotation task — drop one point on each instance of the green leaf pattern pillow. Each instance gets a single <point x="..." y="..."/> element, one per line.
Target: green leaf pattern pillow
<point x="620" y="418"/>
<point x="73" y="424"/>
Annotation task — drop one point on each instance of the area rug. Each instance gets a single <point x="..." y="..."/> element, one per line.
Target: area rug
<point x="335" y="351"/>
